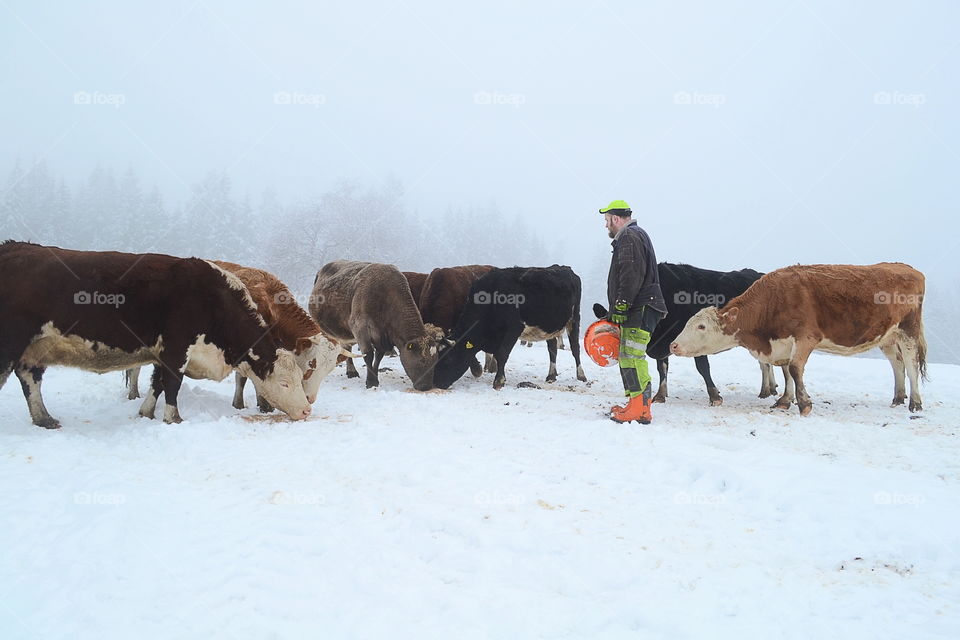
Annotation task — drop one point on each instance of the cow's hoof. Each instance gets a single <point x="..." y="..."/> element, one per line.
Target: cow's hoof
<point x="805" y="409"/>
<point x="372" y="385"/>
<point x="898" y="401"/>
<point x="498" y="383"/>
<point x="766" y="394"/>
<point x="476" y="370"/>
<point x="660" y="398"/>
<point x="133" y="396"/>
<point x="780" y="405"/>
<point x="175" y="419"/>
<point x="581" y="376"/>
<point x="552" y="377"/>
<point x="716" y="402"/>
<point x="915" y="406"/>
<point x="148" y="416"/>
<point x="353" y="374"/>
<point x="48" y="423"/>
<point x="238" y="405"/>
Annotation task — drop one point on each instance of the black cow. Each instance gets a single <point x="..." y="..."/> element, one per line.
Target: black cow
<point x="686" y="290"/>
<point x="504" y="305"/>
<point x="106" y="311"/>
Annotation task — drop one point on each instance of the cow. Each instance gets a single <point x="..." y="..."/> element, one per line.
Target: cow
<point x="416" y="280"/>
<point x="108" y="311"/>
<point x="686" y="290"/>
<point x="287" y="322"/>
<point x="843" y="309"/>
<point x="444" y="295"/>
<point x="370" y="304"/>
<point x="536" y="303"/>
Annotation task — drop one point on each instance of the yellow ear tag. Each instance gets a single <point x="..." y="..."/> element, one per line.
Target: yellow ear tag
<point x="469" y="345"/>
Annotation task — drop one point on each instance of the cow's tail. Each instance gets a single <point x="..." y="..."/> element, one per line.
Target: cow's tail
<point x="922" y="349"/>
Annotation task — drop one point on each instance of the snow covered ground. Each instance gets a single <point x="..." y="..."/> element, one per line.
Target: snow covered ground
<point x="477" y="514"/>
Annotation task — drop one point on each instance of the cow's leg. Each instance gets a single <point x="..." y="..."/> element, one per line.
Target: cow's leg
<point x="502" y="354"/>
<point x="373" y="359"/>
<point x="798" y="362"/>
<point x="895" y="357"/>
<point x="240" y="383"/>
<point x="489" y="363"/>
<point x="703" y="367"/>
<point x="132" y="376"/>
<point x="351" y="368"/>
<point x="663" y="366"/>
<point x="552" y="351"/>
<point x="475" y="369"/>
<point x="911" y="360"/>
<point x="768" y="381"/>
<point x="788" y="397"/>
<point x="172" y="379"/>
<point x="148" y="407"/>
<point x="574" y="335"/>
<point x="30" y="380"/>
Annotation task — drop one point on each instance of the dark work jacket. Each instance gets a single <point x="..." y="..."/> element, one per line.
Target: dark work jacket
<point x="633" y="274"/>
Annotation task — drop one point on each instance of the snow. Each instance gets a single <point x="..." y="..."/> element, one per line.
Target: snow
<point x="476" y="514"/>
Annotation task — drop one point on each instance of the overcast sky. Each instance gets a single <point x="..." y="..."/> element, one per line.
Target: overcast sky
<point x="742" y="133"/>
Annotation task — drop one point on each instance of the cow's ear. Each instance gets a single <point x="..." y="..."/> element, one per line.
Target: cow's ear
<point x="730" y="315"/>
<point x="302" y="345"/>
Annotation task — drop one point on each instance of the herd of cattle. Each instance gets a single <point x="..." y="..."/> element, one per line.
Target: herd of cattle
<point x="109" y="311"/>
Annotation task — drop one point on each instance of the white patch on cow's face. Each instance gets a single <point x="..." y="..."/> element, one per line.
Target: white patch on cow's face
<point x="316" y="362"/>
<point x="206" y="361"/>
<point x="52" y="347"/>
<point x="703" y="336"/>
<point x="236" y="283"/>
<point x="283" y="387"/>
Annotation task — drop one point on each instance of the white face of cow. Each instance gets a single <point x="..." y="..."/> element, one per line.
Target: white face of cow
<point x="316" y="362"/>
<point x="283" y="388"/>
<point x="703" y="336"/>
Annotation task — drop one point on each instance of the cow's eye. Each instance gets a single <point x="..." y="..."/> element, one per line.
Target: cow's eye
<point x="285" y="385"/>
<point x="410" y="347"/>
<point x="701" y="327"/>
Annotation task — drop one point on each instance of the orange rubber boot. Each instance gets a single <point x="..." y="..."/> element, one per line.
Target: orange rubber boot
<point x="637" y="409"/>
<point x="618" y="409"/>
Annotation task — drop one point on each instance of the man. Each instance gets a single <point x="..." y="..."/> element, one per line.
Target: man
<point x="636" y="305"/>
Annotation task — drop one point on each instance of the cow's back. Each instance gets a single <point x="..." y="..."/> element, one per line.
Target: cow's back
<point x="849" y="305"/>
<point x="446" y="291"/>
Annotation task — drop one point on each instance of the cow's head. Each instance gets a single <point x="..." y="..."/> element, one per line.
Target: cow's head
<point x="706" y="333"/>
<point x="282" y="385"/>
<point x="455" y="358"/>
<point x="316" y="356"/>
<point x="419" y="356"/>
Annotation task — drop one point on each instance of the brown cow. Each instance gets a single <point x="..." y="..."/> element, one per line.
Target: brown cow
<point x="416" y="280"/>
<point x="444" y="296"/>
<point x="107" y="311"/>
<point x="370" y="304"/>
<point x="843" y="309"/>
<point x="288" y="324"/>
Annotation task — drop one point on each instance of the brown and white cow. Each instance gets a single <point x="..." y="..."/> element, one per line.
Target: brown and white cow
<point x="370" y="304"/>
<point x="107" y="311"/>
<point x="843" y="309"/>
<point x="288" y="324"/>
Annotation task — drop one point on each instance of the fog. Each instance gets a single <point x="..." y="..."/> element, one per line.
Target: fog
<point x="755" y="134"/>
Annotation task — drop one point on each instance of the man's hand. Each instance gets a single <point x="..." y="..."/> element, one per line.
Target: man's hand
<point x="619" y="316"/>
